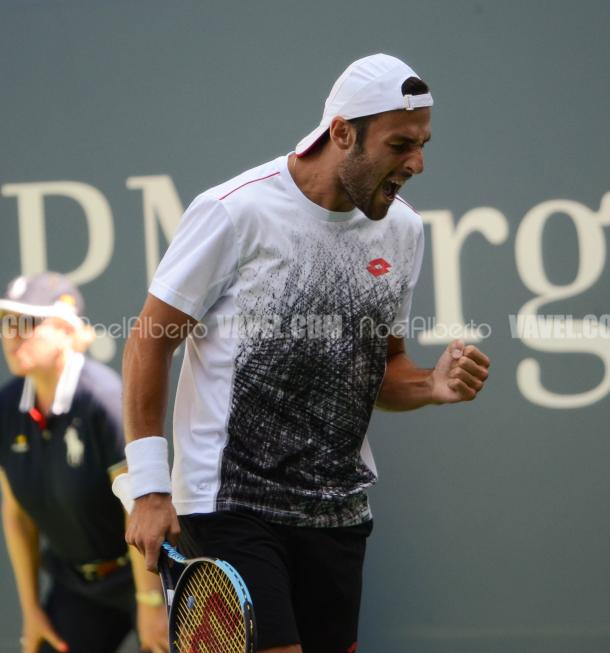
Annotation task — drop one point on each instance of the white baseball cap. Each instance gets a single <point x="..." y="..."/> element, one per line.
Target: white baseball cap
<point x="368" y="86"/>
<point x="47" y="294"/>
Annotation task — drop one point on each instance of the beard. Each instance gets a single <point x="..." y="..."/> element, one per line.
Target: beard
<point x="356" y="178"/>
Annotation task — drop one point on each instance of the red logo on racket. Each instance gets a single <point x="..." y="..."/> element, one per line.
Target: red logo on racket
<point x="220" y="623"/>
<point x="377" y="267"/>
<point x="352" y="648"/>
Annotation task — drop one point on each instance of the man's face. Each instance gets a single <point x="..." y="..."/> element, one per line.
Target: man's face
<point x="31" y="344"/>
<point x="391" y="154"/>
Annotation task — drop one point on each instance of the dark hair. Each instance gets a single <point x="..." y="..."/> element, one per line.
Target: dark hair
<point x="414" y="86"/>
<point x="411" y="86"/>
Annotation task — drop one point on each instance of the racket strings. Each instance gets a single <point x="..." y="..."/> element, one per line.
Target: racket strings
<point x="209" y="614"/>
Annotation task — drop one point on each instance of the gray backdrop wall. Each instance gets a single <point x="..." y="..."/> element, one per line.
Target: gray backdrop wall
<point x="492" y="529"/>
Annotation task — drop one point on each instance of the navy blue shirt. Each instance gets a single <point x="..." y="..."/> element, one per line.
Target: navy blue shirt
<point x="58" y="465"/>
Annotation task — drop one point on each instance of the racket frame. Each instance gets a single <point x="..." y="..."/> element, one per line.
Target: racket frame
<point x="174" y="583"/>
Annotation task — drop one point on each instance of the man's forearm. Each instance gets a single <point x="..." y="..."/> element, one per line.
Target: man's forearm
<point x="146" y="366"/>
<point x="405" y="386"/>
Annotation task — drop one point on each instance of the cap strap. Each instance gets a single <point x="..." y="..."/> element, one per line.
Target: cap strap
<point x="418" y="101"/>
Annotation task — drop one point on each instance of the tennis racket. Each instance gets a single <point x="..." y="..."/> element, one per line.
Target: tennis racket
<point x="208" y="604"/>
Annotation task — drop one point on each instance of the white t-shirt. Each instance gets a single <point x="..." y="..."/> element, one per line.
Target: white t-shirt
<point x="280" y="378"/>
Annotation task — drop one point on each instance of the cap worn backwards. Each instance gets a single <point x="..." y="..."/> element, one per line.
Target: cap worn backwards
<point x="368" y="86"/>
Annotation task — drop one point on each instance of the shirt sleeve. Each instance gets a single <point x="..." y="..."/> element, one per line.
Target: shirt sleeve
<point x="201" y="261"/>
<point x="404" y="310"/>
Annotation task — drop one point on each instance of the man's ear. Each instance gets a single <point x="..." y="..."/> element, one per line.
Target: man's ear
<point x="342" y="133"/>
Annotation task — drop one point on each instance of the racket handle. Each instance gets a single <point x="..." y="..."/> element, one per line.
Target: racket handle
<point x="173" y="553"/>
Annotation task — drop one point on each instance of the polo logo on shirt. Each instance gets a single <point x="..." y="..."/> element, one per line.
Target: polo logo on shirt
<point x="75" y="448"/>
<point x="378" y="266"/>
<point x="21" y="444"/>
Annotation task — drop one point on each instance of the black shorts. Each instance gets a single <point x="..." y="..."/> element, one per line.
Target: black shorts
<point x="305" y="583"/>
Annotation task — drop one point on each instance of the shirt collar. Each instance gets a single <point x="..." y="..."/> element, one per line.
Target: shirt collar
<point x="66" y="387"/>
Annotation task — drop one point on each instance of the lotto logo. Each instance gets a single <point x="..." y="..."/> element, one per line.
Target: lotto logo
<point x="378" y="266"/>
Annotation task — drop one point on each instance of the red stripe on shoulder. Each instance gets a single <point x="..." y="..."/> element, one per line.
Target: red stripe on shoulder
<point x="407" y="204"/>
<point x="252" y="181"/>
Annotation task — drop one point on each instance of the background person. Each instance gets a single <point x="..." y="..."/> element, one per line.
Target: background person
<point x="61" y="443"/>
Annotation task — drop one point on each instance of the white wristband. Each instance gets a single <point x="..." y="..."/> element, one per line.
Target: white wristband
<point x="148" y="466"/>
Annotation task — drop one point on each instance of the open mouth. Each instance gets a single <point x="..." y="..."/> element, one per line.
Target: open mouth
<point x="390" y="189"/>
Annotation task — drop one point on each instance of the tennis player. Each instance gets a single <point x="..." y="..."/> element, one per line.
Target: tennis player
<point x="294" y="282"/>
<point x="61" y="442"/>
